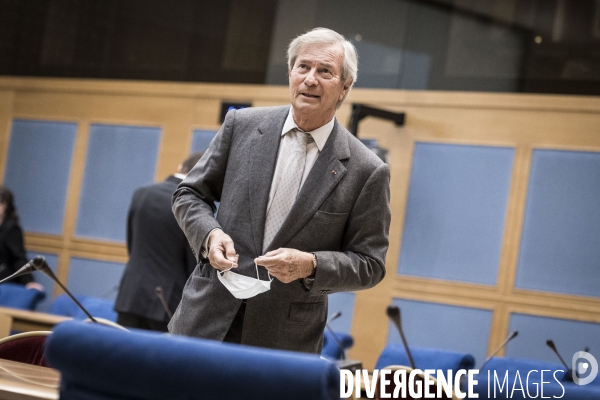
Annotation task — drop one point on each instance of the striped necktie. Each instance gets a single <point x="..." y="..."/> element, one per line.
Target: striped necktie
<point x="288" y="187"/>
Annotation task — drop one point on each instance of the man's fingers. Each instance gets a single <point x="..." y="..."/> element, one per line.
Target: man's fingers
<point x="268" y="261"/>
<point x="273" y="257"/>
<point x="225" y="244"/>
<point x="230" y="251"/>
<point x="274" y="252"/>
<point x="222" y="253"/>
<point x="217" y="259"/>
<point x="287" y="265"/>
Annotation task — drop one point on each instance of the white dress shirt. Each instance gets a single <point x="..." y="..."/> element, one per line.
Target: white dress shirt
<point x="314" y="148"/>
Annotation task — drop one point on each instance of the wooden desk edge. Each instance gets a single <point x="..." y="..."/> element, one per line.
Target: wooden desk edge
<point x="25" y="388"/>
<point x="25" y="321"/>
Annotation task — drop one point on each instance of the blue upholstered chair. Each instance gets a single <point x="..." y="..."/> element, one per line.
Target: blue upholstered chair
<point x="425" y="358"/>
<point x="16" y="296"/>
<point x="501" y="367"/>
<point x="98" y="307"/>
<point x="331" y="348"/>
<point x="97" y="362"/>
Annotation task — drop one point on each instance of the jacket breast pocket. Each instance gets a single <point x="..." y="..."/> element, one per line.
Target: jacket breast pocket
<point x="308" y="312"/>
<point x="324" y="217"/>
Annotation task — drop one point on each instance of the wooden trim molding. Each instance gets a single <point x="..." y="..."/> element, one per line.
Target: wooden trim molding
<point x="521" y="121"/>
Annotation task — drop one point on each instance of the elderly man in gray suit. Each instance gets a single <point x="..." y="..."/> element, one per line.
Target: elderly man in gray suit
<point x="304" y="211"/>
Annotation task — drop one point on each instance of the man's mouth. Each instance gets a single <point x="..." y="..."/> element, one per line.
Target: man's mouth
<point x="313" y="96"/>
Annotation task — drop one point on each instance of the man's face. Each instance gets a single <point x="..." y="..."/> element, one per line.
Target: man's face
<point x="315" y="83"/>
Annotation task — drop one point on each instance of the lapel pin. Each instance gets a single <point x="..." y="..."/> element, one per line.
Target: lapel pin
<point x="334" y="172"/>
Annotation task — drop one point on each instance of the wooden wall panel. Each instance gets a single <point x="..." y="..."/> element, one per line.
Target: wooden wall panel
<point x="523" y="122"/>
<point x="6" y="114"/>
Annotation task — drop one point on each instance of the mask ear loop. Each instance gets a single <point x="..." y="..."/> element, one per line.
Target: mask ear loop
<point x="258" y="276"/>
<point x="222" y="271"/>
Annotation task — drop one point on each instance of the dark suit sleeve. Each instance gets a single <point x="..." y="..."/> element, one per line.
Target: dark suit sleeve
<point x="361" y="262"/>
<point x="16" y="251"/>
<point x="194" y="200"/>
<point x="130" y="218"/>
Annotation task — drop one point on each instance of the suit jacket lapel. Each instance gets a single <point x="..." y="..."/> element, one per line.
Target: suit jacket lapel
<point x="265" y="147"/>
<point x="325" y="174"/>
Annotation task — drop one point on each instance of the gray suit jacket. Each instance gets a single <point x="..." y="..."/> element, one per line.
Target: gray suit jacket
<point x="342" y="215"/>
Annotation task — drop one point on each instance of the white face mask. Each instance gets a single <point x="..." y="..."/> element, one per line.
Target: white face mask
<point x="243" y="287"/>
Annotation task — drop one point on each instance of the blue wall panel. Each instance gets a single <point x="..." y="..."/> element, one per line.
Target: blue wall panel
<point x="46" y="282"/>
<point x="94" y="278"/>
<point x="568" y="336"/>
<point x="455" y="212"/>
<point x="201" y="139"/>
<point x="344" y="303"/>
<point x="443" y="326"/>
<point x="560" y="244"/>
<point x="119" y="160"/>
<point x="37" y="172"/>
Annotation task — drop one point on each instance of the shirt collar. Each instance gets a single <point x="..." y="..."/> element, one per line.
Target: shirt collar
<point x="320" y="135"/>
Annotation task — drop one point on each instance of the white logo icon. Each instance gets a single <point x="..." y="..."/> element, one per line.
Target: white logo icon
<point x="580" y="367"/>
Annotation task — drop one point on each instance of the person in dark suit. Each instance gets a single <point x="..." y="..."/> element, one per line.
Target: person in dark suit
<point x="12" y="250"/>
<point x="159" y="255"/>
<point x="304" y="207"/>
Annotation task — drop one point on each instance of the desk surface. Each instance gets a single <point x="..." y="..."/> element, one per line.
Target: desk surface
<point x="24" y="321"/>
<point x="20" y="381"/>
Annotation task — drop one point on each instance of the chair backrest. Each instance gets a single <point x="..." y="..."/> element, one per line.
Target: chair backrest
<point x="98" y="307"/>
<point x="97" y="362"/>
<point x="425" y="358"/>
<point x="63" y="305"/>
<point x="16" y="296"/>
<point x="27" y="347"/>
<point x="331" y="347"/>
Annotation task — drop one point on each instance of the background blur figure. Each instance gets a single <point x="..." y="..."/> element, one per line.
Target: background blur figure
<point x="159" y="255"/>
<point x="12" y="250"/>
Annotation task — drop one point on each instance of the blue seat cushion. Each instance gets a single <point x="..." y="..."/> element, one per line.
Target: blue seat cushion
<point x="331" y="348"/>
<point x="98" y="307"/>
<point x="99" y="362"/>
<point x="63" y="305"/>
<point x="16" y="296"/>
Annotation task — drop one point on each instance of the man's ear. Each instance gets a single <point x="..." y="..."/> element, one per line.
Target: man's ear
<point x="345" y="89"/>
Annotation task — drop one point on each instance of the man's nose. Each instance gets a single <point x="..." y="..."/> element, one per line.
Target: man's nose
<point x="311" y="78"/>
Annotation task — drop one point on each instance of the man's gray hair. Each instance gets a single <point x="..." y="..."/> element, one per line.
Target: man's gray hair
<point x="328" y="36"/>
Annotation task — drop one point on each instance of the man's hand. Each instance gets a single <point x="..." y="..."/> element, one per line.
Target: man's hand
<point x="287" y="265"/>
<point x="221" y="253"/>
